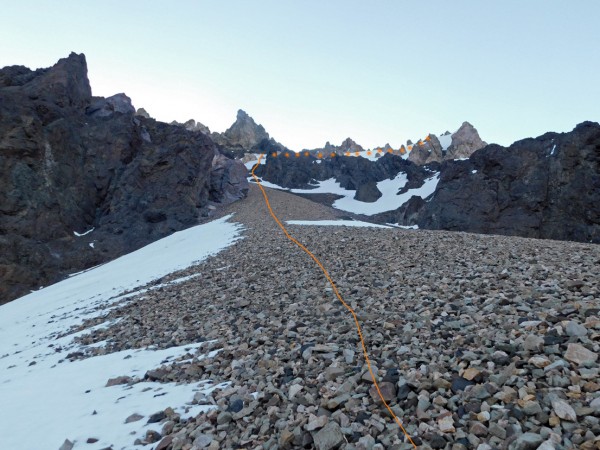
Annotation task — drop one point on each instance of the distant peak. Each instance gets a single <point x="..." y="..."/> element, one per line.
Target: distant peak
<point x="241" y="115"/>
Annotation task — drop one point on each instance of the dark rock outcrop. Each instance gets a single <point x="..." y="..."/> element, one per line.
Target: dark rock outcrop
<point x="547" y="187"/>
<point x="354" y="173"/>
<point x="71" y="163"/>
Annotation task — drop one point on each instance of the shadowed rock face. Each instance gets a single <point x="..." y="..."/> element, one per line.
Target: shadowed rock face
<point x="71" y="162"/>
<point x="547" y="187"/>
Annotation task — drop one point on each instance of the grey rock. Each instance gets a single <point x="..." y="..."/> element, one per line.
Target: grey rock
<point x="329" y="437"/>
<point x="526" y="441"/>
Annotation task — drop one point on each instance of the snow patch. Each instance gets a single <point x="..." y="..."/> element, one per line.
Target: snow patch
<point x="344" y="223"/>
<point x="445" y="141"/>
<point x="84" y="233"/>
<point x="553" y="150"/>
<point x="47" y="398"/>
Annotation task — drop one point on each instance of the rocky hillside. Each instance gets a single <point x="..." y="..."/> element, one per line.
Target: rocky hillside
<point x="83" y="180"/>
<point x="547" y="187"/>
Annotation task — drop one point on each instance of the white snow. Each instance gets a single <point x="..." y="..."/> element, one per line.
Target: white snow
<point x="84" y="233"/>
<point x="553" y="150"/>
<point x="45" y="397"/>
<point x="405" y="227"/>
<point x="388" y="201"/>
<point x="250" y="164"/>
<point x="473" y="171"/>
<point x="344" y="223"/>
<point x="445" y="141"/>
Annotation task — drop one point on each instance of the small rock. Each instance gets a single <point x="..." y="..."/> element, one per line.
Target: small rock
<point x="366" y="443"/>
<point x="563" y="410"/>
<point x="446" y="423"/>
<point x="67" y="445"/>
<point x="387" y="389"/>
<point x="532" y="408"/>
<point x="164" y="443"/>
<point x="470" y="373"/>
<point x="203" y="440"/>
<point x="547" y="445"/>
<point x="556" y="364"/>
<point x="578" y="354"/>
<point x="118" y="380"/>
<point x="156" y="417"/>
<point x="331" y="373"/>
<point x="329" y="437"/>
<point x="483" y="416"/>
<point x="527" y="441"/>
<point x="575" y="329"/>
<point x="539" y="361"/>
<point x="314" y="423"/>
<point x="152" y="436"/>
<point x="478" y="429"/>
<point x="224" y="417"/>
<point x="294" y="389"/>
<point x="533" y="343"/>
<point x="459" y="384"/>
<point x="134" y="418"/>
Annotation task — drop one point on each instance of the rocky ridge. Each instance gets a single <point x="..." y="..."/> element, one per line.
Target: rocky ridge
<point x="478" y="341"/>
<point x="547" y="187"/>
<point x="84" y="180"/>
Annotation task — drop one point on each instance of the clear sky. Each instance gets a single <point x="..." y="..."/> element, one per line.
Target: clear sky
<point x="318" y="70"/>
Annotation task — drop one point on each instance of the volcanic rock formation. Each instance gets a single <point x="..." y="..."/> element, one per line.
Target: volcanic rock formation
<point x="73" y="163"/>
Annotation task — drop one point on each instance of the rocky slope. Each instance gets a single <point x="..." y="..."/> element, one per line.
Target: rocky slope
<point x="478" y="341"/>
<point x="71" y="163"/>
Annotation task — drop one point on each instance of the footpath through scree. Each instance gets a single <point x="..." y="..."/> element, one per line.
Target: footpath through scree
<point x="337" y="294"/>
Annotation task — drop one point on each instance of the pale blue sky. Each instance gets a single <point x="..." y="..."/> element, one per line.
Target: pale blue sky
<point x="317" y="70"/>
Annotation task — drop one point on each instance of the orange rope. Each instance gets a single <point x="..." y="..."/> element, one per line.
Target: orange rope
<point x="335" y="290"/>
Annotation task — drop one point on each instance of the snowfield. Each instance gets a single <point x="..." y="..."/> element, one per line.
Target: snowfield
<point x="388" y="201"/>
<point x="46" y="398"/>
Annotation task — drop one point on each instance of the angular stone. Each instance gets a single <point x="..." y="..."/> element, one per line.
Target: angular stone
<point x="118" y="380"/>
<point x="67" y="445"/>
<point x="203" y="440"/>
<point x="331" y="373"/>
<point x="387" y="389"/>
<point x="532" y="408"/>
<point x="563" y="410"/>
<point x="533" y="343"/>
<point x="446" y="423"/>
<point x="134" y="418"/>
<point x="575" y="329"/>
<point x="294" y="389"/>
<point x="578" y="354"/>
<point x="527" y="441"/>
<point x="539" y="361"/>
<point x="315" y="423"/>
<point x="329" y="437"/>
<point x="470" y="373"/>
<point x="478" y="429"/>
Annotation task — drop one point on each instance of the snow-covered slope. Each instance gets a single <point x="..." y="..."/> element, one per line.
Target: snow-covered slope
<point x="388" y="201"/>
<point x="46" y="398"/>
